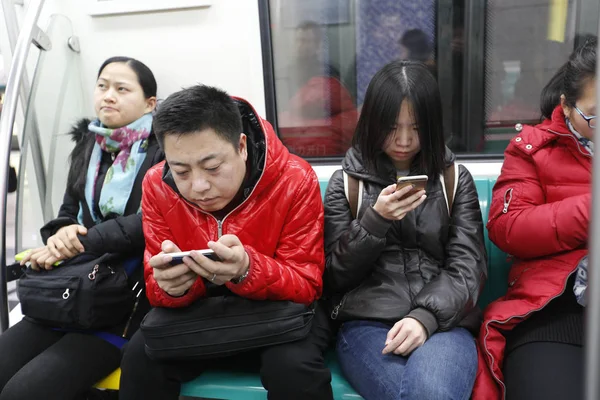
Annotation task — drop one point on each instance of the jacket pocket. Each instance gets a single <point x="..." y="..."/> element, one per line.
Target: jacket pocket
<point x="496" y="212"/>
<point x="50" y="299"/>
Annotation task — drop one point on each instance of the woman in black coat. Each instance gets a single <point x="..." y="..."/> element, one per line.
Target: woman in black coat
<point x="406" y="272"/>
<point x="100" y="214"/>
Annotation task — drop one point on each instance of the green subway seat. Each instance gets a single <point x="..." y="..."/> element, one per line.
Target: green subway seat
<point x="237" y="385"/>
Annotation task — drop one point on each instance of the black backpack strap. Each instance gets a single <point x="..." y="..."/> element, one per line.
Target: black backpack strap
<point x="352" y="187"/>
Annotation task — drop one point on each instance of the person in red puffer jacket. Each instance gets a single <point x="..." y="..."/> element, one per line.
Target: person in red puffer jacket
<point x="319" y="117"/>
<point x="530" y="344"/>
<point x="229" y="184"/>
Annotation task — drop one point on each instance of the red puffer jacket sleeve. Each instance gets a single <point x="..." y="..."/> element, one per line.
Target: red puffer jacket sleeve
<point x="156" y="231"/>
<point x="522" y="224"/>
<point x="295" y="271"/>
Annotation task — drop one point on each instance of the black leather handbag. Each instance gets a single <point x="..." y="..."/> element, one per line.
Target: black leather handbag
<point x="85" y="292"/>
<point x="222" y="326"/>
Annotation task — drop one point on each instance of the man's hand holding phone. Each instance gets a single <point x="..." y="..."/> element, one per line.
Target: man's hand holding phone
<point x="234" y="261"/>
<point x="394" y="204"/>
<point x="173" y="279"/>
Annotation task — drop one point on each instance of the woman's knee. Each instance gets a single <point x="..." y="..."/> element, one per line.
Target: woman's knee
<point x="27" y="387"/>
<point x="544" y="370"/>
<point x="444" y="368"/>
<point x="446" y="382"/>
<point x="14" y="390"/>
<point x="293" y="361"/>
<point x="455" y="347"/>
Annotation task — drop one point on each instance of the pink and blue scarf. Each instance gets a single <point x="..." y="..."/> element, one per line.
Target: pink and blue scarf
<point x="130" y="144"/>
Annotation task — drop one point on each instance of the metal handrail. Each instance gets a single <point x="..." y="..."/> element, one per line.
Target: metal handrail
<point x="10" y="19"/>
<point x="33" y="135"/>
<point x="7" y="121"/>
<point x="592" y="342"/>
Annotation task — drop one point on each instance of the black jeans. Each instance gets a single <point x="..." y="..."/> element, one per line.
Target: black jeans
<point x="288" y="371"/>
<point x="37" y="362"/>
<point x="544" y="371"/>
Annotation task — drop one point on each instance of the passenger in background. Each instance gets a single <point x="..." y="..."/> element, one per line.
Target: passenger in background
<point x="99" y="214"/>
<point x="405" y="270"/>
<point x="531" y="340"/>
<point x="230" y="181"/>
<point x="319" y="118"/>
<point x="416" y="46"/>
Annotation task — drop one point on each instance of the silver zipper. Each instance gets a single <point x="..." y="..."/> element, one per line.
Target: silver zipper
<point x="336" y="309"/>
<point x="574" y="138"/>
<point x="487" y="331"/>
<point x="220" y="222"/>
<point x="66" y="294"/>
<point x="335" y="312"/>
<point x="512" y="283"/>
<point x="507" y="200"/>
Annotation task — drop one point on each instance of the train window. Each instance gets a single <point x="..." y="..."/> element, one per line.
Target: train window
<point x="526" y="42"/>
<point x="491" y="59"/>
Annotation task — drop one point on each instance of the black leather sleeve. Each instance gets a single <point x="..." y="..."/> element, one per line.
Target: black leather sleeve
<point x="351" y="245"/>
<point x="454" y="292"/>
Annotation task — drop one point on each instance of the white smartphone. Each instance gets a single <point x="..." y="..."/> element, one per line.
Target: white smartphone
<point x="177" y="258"/>
<point x="419" y="181"/>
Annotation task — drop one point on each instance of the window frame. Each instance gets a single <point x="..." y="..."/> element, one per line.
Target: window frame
<point x="472" y="122"/>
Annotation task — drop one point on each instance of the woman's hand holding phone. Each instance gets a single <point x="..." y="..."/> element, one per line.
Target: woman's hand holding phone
<point x="393" y="204"/>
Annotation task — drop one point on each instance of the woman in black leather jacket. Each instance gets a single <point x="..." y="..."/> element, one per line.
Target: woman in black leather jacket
<point x="404" y="274"/>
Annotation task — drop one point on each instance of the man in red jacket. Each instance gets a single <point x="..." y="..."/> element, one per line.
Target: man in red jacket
<point x="229" y="184"/>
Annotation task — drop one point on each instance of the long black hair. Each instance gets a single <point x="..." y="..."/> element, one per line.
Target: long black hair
<point x="571" y="78"/>
<point x="144" y="74"/>
<point x="391" y="85"/>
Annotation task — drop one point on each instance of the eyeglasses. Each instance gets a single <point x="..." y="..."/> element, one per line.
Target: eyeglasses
<point x="590" y="120"/>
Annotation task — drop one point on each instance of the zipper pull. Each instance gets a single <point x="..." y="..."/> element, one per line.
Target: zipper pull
<point x="66" y="294"/>
<point x="335" y="312"/>
<point x="220" y="227"/>
<point x="92" y="275"/>
<point x="507" y="200"/>
<point x="112" y="271"/>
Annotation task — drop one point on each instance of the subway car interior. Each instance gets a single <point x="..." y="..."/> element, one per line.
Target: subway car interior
<point x="304" y="65"/>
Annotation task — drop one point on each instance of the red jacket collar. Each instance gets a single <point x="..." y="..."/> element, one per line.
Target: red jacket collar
<point x="557" y="122"/>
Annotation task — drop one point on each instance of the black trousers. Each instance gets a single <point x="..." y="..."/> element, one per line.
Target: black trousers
<point x="544" y="371"/>
<point x="37" y="362"/>
<point x="288" y="371"/>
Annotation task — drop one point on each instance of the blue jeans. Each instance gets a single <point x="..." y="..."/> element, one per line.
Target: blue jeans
<point x="443" y="368"/>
